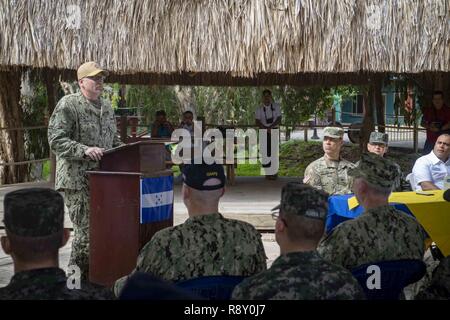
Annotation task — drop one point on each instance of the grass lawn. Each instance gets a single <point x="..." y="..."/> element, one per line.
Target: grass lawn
<point x="248" y="170"/>
<point x="46" y="170"/>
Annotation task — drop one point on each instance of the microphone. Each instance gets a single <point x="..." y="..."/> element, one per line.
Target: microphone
<point x="446" y="195"/>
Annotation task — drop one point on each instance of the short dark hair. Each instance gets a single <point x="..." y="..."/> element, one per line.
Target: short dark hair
<point x="300" y="228"/>
<point x="267" y="91"/>
<point x="160" y="113"/>
<point x="33" y="249"/>
<point x="438" y="92"/>
<point x="188" y="112"/>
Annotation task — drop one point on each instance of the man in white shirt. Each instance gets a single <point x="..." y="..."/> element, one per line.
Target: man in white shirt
<point x="188" y="122"/>
<point x="268" y="116"/>
<point x="430" y="171"/>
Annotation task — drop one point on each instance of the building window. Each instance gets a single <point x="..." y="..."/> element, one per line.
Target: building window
<point x="357" y="104"/>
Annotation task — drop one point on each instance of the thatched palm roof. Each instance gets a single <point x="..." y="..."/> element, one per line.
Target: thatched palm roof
<point x="217" y="41"/>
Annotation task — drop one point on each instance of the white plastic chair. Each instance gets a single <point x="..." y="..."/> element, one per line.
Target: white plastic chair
<point x="410" y="179"/>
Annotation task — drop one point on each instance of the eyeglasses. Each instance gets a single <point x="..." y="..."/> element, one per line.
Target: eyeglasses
<point x="276" y="215"/>
<point x="97" y="78"/>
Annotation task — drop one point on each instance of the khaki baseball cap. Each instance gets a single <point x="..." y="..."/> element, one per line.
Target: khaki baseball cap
<point x="90" y="69"/>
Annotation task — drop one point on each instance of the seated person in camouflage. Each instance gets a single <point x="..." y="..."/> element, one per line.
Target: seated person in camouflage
<point x="439" y="287"/>
<point x="378" y="144"/>
<point x="381" y="232"/>
<point x="34" y="224"/>
<point x="206" y="244"/>
<point x="299" y="272"/>
<point x="329" y="173"/>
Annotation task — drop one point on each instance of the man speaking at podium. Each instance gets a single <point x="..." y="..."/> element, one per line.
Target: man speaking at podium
<point x="80" y="129"/>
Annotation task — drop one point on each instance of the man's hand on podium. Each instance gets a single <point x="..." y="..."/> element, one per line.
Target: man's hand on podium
<point x="94" y="153"/>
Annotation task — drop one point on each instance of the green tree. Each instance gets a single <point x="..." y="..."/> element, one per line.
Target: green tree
<point x="149" y="99"/>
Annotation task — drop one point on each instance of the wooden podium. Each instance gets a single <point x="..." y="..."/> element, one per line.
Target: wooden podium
<point x="116" y="232"/>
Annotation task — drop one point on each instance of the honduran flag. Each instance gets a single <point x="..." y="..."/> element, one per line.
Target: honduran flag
<point x="156" y="199"/>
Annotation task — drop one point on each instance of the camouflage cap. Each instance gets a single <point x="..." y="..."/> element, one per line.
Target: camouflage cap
<point x="34" y="212"/>
<point x="333" y="132"/>
<point x="302" y="199"/>
<point x="379" y="137"/>
<point x="376" y="170"/>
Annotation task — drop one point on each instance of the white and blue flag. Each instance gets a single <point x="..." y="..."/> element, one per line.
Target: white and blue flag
<point x="156" y="199"/>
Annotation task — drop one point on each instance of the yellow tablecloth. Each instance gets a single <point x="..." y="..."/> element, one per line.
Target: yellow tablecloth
<point x="431" y="210"/>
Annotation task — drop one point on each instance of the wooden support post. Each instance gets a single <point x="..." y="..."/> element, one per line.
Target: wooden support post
<point x="379" y="104"/>
<point x="50" y="79"/>
<point x="416" y="137"/>
<point x="123" y="128"/>
<point x="306" y="134"/>
<point x="11" y="116"/>
<point x="368" y="120"/>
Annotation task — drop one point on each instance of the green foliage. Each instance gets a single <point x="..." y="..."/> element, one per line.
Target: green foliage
<point x="341" y="93"/>
<point x="248" y="170"/>
<point x="115" y="96"/>
<point x="46" y="170"/>
<point x="227" y="105"/>
<point x="235" y="105"/>
<point x="299" y="104"/>
<point x="149" y="99"/>
<point x="34" y="114"/>
<point x="295" y="156"/>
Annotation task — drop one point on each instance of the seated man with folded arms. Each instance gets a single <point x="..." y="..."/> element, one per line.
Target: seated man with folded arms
<point x="34" y="224"/>
<point x="430" y="171"/>
<point x="206" y="244"/>
<point x="299" y="272"/>
<point x="381" y="232"/>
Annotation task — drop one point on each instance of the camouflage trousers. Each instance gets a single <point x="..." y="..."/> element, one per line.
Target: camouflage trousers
<point x="77" y="202"/>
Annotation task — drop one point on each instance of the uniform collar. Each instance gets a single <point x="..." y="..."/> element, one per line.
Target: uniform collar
<point x="206" y="217"/>
<point x="297" y="258"/>
<point x="48" y="275"/>
<point x="333" y="163"/>
<point x="381" y="209"/>
<point x="91" y="105"/>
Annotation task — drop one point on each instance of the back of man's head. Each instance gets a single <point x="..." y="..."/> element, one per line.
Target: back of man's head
<point x="376" y="174"/>
<point x="34" y="223"/>
<point x="205" y="182"/>
<point x="304" y="210"/>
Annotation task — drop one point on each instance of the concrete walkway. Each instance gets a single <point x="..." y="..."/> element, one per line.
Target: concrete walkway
<point x="250" y="199"/>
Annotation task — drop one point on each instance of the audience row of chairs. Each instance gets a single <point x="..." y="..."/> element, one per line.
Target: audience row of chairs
<point x="394" y="276"/>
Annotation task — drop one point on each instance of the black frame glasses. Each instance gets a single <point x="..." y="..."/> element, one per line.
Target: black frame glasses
<point x="276" y="214"/>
